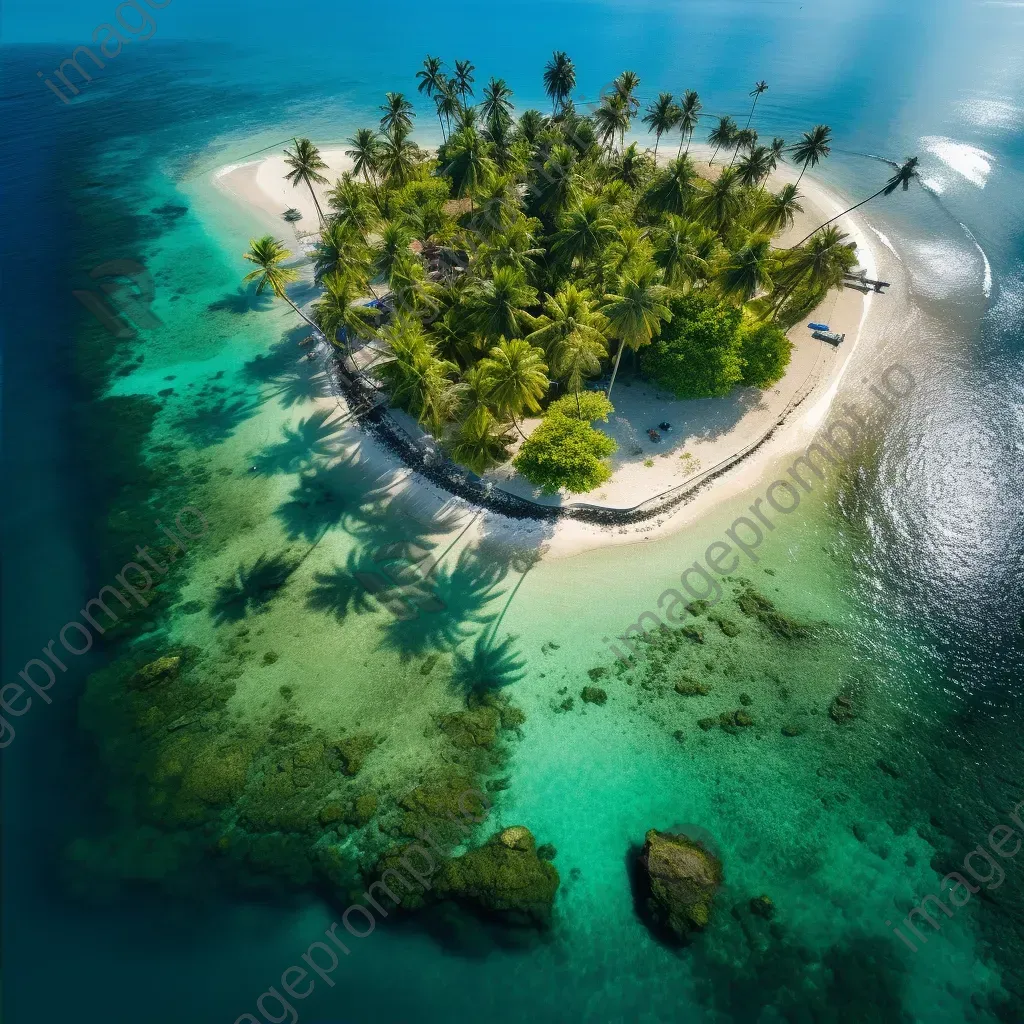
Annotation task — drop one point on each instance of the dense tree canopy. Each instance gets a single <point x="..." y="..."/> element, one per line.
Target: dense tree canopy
<point x="523" y="257"/>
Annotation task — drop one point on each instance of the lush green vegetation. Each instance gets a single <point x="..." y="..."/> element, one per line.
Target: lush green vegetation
<point x="534" y="248"/>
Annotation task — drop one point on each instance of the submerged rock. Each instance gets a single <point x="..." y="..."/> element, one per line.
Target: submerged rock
<point x="841" y="710"/>
<point x="681" y="878"/>
<point x="594" y="695"/>
<point x="504" y="878"/>
<point x="692" y="688"/>
<point x="754" y="604"/>
<point x="163" y="670"/>
<point x="762" y="906"/>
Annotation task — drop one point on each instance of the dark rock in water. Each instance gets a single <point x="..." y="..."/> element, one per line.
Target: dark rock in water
<point x="693" y="633"/>
<point x="889" y="769"/>
<point x="596" y="673"/>
<point x="707" y="723"/>
<point x="692" y="688"/>
<point x="546" y="851"/>
<point x="697" y="607"/>
<point x="746" y="700"/>
<point x="505" y="878"/>
<point x="362" y="810"/>
<point x="681" y="878"/>
<point x="354" y="750"/>
<point x="860" y="832"/>
<point x="163" y="670"/>
<point x="763" y="907"/>
<point x="594" y="695"/>
<point x="841" y="710"/>
<point x="477" y="727"/>
<point x="727" y="626"/>
<point x="792" y="730"/>
<point x="428" y="664"/>
<point x="756" y="605"/>
<point x="679" y="736"/>
<point x="742" y="719"/>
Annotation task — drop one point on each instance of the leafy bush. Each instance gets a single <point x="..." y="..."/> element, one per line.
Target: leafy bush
<point x="565" y="452"/>
<point x="765" y="351"/>
<point x="697" y="354"/>
<point x="586" y="406"/>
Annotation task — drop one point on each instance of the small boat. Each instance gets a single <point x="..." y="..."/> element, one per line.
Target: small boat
<point x="818" y="327"/>
<point x="832" y="337"/>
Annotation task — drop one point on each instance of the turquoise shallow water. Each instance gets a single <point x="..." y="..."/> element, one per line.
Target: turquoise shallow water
<point x="914" y="559"/>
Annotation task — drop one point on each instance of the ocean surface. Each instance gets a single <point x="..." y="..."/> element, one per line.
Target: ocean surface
<point x="910" y="563"/>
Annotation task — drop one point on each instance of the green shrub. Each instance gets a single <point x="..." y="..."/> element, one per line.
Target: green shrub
<point x="697" y="354"/>
<point x="586" y="406"/>
<point x="765" y="350"/>
<point x="564" y="452"/>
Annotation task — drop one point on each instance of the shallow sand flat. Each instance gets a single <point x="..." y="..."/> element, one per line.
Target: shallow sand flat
<point x="705" y="432"/>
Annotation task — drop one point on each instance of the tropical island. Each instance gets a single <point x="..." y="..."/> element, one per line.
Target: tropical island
<point x="491" y="288"/>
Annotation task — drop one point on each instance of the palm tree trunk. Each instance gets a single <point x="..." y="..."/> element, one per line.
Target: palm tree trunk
<point x="440" y="121"/>
<point x="802" y="170"/>
<point x="299" y="311"/>
<point x="751" y="114"/>
<point x="516" y="425"/>
<point x="615" y="370"/>
<point x="850" y="209"/>
<point x="689" y="139"/>
<point x="713" y="155"/>
<point x="657" y="142"/>
<point x="316" y="202"/>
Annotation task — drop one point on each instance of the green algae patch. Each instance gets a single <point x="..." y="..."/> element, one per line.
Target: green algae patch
<point x="475" y="727"/>
<point x="692" y="688"/>
<point x="354" y="750"/>
<point x="594" y="695"/>
<point x="755" y="605"/>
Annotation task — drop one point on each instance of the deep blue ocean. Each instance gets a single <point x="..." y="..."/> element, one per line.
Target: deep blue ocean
<point x="941" y="514"/>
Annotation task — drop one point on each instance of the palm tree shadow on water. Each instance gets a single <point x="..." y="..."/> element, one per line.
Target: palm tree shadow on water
<point x="306" y="445"/>
<point x="463" y="594"/>
<point x="251" y="588"/>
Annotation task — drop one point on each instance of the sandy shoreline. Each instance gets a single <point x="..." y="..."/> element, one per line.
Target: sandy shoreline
<point x="705" y="432"/>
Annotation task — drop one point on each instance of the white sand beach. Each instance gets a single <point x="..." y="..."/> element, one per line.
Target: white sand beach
<point x="704" y="433"/>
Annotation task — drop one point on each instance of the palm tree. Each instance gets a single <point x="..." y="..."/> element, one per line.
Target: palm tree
<point x="689" y="116"/>
<point x="391" y="248"/>
<point x="341" y="249"/>
<point x="635" y="314"/>
<point x="559" y="79"/>
<point x="814" y="146"/>
<point x="531" y="124"/>
<point x="497" y="107"/>
<point x="417" y="379"/>
<point x="306" y="164"/>
<point x="748" y="270"/>
<point x="268" y="254"/>
<point x="480" y="442"/>
<point x="469" y="165"/>
<point x="754" y="166"/>
<point x="497" y="308"/>
<point x="626" y="85"/>
<point x="612" y="118"/>
<point x="687" y="253"/>
<point x="745" y="138"/>
<point x="629" y="167"/>
<point x="339" y="310"/>
<point x="571" y="333"/>
<point x="781" y="210"/>
<point x="463" y="79"/>
<point x="364" y="154"/>
<point x="397" y="157"/>
<point x="662" y="116"/>
<point x="398" y="115"/>
<point x="627" y="254"/>
<point x="559" y="185"/>
<point x="351" y="205"/>
<point x="432" y="81"/>
<point x="905" y="174"/>
<point x="514" y="247"/>
<point x="673" y="189"/>
<point x="446" y="100"/>
<point x="516" y="376"/>
<point x="722" y="135"/>
<point x="821" y="263"/>
<point x="721" y="202"/>
<point x="761" y="87"/>
<point x="584" y="232"/>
